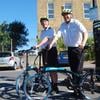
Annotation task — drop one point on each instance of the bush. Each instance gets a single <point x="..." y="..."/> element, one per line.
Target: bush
<point x="89" y="52"/>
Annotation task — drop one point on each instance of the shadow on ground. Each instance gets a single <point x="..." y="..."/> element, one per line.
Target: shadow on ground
<point x="7" y="91"/>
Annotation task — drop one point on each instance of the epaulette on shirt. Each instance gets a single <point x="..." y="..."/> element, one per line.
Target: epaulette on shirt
<point x="49" y="28"/>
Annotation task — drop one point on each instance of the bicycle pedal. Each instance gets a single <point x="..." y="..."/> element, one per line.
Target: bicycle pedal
<point x="39" y="89"/>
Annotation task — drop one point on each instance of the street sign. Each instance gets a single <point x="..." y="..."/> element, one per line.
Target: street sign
<point x="93" y="13"/>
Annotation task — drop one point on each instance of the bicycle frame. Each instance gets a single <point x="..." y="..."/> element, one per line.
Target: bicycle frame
<point x="46" y="69"/>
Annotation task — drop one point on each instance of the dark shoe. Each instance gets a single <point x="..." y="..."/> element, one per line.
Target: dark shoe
<point x="54" y="90"/>
<point x="73" y="95"/>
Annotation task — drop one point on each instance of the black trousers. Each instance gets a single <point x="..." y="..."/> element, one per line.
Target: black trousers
<point x="50" y="57"/>
<point x="76" y="58"/>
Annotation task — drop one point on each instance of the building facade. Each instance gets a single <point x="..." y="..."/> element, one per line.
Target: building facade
<point x="80" y="8"/>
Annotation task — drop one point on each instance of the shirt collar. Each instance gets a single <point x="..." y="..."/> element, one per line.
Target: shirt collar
<point x="70" y="21"/>
<point x="47" y="28"/>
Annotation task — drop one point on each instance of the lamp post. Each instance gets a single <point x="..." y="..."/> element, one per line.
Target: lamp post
<point x="62" y="8"/>
<point x="11" y="45"/>
<point x="96" y="31"/>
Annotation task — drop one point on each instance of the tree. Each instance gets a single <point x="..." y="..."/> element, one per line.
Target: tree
<point x="4" y="37"/>
<point x="18" y="32"/>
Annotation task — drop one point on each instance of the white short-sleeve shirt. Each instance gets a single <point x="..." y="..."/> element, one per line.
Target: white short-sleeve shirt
<point x="72" y="33"/>
<point x="49" y="32"/>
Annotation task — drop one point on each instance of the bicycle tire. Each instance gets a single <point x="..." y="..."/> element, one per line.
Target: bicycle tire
<point x="20" y="80"/>
<point x="19" y="85"/>
<point x="37" y="87"/>
<point x="88" y="84"/>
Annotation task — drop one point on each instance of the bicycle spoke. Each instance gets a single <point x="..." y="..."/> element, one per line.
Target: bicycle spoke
<point x="39" y="87"/>
<point x="89" y="84"/>
<point x="19" y="85"/>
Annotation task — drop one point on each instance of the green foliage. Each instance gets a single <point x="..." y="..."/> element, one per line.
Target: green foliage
<point x="60" y="45"/>
<point x="38" y="39"/>
<point x="18" y="32"/>
<point x="4" y="37"/>
<point x="89" y="53"/>
<point x="14" y="33"/>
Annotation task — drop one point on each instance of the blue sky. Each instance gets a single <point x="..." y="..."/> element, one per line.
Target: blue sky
<point x="21" y="10"/>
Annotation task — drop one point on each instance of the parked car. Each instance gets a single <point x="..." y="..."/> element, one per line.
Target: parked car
<point x="63" y="58"/>
<point x="9" y="59"/>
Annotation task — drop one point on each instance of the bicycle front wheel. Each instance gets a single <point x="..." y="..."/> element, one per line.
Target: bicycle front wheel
<point x="19" y="85"/>
<point x="37" y="87"/>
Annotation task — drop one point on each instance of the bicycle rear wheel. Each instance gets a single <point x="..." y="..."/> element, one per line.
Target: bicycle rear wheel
<point x="37" y="87"/>
<point x="89" y="84"/>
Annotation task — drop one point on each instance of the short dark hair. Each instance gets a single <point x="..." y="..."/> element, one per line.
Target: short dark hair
<point x="44" y="18"/>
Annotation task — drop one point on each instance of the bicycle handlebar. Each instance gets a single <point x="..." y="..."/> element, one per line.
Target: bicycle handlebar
<point x="32" y="49"/>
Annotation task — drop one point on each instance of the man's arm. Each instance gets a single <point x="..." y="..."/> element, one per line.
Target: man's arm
<point x="85" y="37"/>
<point x="42" y="42"/>
<point x="53" y="41"/>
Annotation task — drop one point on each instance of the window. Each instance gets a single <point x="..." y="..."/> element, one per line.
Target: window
<point x="86" y="10"/>
<point x="50" y="10"/>
<point x="68" y="6"/>
<point x="5" y="54"/>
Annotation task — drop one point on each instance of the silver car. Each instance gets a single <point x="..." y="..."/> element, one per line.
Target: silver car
<point x="8" y="59"/>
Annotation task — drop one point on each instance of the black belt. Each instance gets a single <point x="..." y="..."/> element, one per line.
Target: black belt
<point x="73" y="47"/>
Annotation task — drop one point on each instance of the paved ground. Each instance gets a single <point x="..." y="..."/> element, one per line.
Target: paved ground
<point x="89" y="64"/>
<point x="8" y="92"/>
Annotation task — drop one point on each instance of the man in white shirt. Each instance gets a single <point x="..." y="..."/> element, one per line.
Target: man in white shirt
<point x="74" y="35"/>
